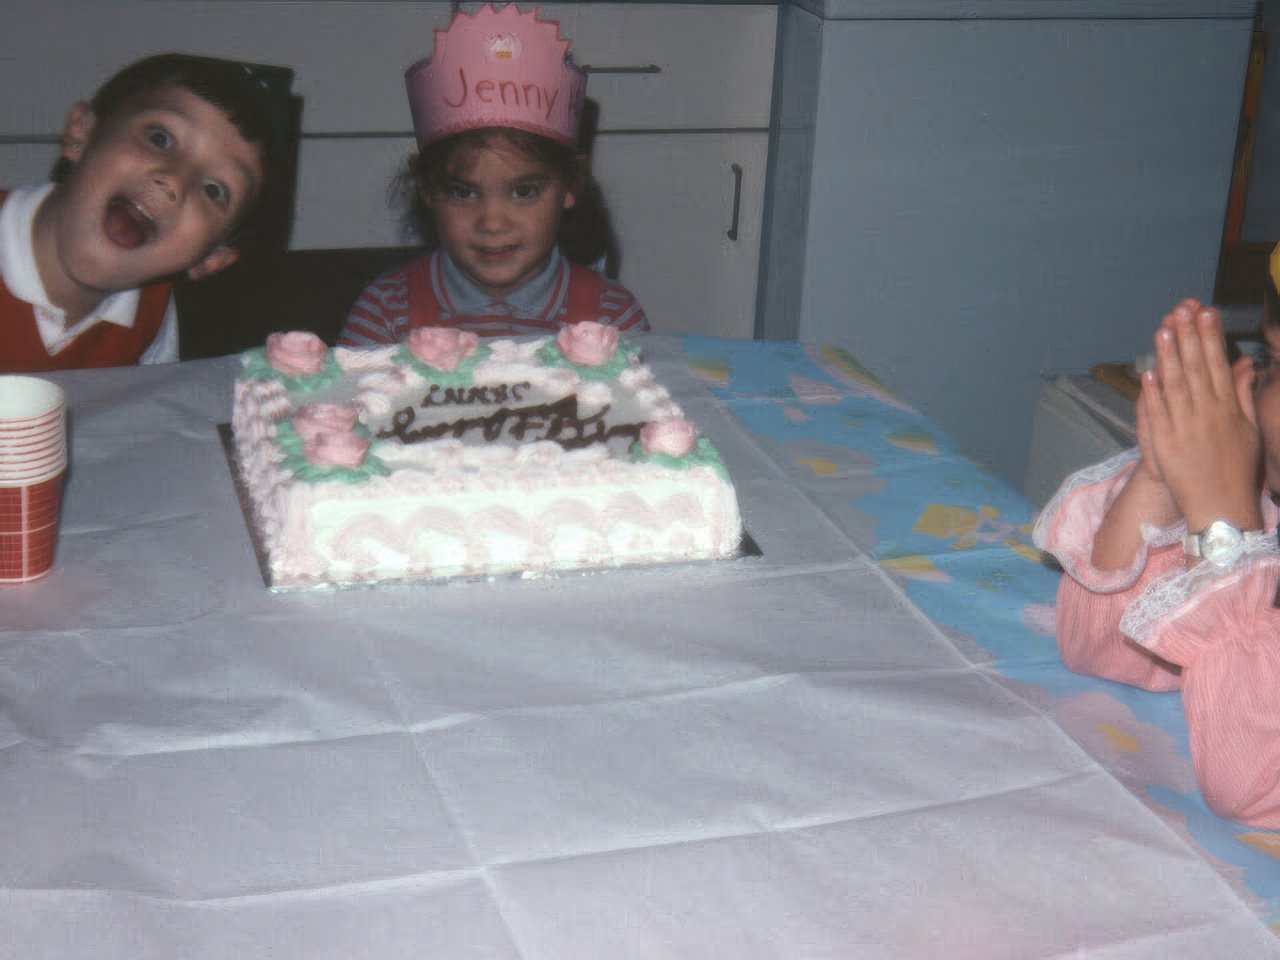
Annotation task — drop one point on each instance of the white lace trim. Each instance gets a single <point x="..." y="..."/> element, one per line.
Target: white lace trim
<point x="1152" y="535"/>
<point x="1086" y="477"/>
<point x="1165" y="595"/>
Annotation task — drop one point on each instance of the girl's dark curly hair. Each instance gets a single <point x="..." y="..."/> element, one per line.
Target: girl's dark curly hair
<point x="585" y="235"/>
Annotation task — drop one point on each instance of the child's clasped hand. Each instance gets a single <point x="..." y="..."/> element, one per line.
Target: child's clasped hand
<point x="1197" y="423"/>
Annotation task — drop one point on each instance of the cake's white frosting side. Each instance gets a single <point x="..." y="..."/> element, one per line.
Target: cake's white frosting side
<point x="495" y="491"/>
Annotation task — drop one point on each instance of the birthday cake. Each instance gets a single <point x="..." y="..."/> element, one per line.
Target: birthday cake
<point x="448" y="456"/>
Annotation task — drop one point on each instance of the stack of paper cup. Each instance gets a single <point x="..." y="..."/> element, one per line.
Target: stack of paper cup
<point x="33" y="459"/>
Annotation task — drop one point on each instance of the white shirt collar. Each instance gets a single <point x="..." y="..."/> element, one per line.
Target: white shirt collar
<point x="527" y="302"/>
<point x="20" y="274"/>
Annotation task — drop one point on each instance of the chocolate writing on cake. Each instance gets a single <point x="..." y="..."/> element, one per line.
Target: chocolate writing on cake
<point x="438" y="396"/>
<point x="558" y="422"/>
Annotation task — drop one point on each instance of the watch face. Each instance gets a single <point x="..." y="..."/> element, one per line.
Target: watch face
<point x="1222" y="543"/>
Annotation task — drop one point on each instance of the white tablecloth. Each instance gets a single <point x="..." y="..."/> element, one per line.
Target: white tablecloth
<point x="776" y="757"/>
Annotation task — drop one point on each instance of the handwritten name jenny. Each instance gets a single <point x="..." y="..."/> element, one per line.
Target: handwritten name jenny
<point x="529" y="96"/>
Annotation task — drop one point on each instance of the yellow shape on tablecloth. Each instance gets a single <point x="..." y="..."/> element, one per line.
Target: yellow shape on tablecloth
<point x="808" y="390"/>
<point x="1268" y="843"/>
<point x="821" y="467"/>
<point x="915" y="440"/>
<point x="715" y="372"/>
<point x="915" y="566"/>
<point x="967" y="528"/>
<point x="845" y="362"/>
<point x="946" y="522"/>
<point x="1120" y="740"/>
<point x="1025" y="550"/>
<point x="841" y="364"/>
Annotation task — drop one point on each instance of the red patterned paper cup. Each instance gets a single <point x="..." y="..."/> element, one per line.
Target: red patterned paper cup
<point x="33" y="430"/>
<point x="22" y="461"/>
<point x="55" y="431"/>
<point x="15" y="429"/>
<point x="31" y="445"/>
<point x="25" y="401"/>
<point x="33" y="461"/>
<point x="29" y="529"/>
<point x="34" y="472"/>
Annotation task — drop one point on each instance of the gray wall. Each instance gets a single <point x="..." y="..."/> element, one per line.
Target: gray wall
<point x="1262" y="213"/>
<point x="989" y="198"/>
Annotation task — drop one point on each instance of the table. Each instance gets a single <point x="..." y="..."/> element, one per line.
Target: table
<point x="860" y="744"/>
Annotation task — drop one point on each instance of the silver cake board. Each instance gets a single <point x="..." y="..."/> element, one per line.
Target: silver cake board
<point x="747" y="549"/>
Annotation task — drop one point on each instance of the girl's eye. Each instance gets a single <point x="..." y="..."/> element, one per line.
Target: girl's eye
<point x="159" y="137"/>
<point x="461" y="193"/>
<point x="525" y="191"/>
<point x="217" y="193"/>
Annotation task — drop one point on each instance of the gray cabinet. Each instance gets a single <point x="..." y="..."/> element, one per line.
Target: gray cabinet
<point x="684" y="93"/>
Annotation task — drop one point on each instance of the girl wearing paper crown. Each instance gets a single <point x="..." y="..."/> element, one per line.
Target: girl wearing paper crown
<point x="1171" y="555"/>
<point x="507" y="201"/>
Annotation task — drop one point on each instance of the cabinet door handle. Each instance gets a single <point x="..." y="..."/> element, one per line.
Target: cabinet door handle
<point x="646" y="68"/>
<point x="732" y="232"/>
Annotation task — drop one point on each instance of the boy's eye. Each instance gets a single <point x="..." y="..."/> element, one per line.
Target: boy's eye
<point x="217" y="193"/>
<point x="525" y="191"/>
<point x="159" y="137"/>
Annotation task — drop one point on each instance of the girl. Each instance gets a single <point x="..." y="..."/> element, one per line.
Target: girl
<point x="1171" y="558"/>
<point x="505" y="199"/>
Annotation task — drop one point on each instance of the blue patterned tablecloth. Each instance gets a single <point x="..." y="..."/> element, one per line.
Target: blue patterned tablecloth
<point x="958" y="540"/>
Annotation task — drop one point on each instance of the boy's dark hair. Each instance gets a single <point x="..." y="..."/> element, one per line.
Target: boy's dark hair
<point x="257" y="101"/>
<point x="585" y="235"/>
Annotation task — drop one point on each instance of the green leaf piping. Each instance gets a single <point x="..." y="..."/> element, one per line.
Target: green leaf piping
<point x="463" y="376"/>
<point x="550" y="354"/>
<point x="296" y="462"/>
<point x="702" y="455"/>
<point x="256" y="367"/>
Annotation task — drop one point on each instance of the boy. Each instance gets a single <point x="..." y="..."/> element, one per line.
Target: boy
<point x="166" y="172"/>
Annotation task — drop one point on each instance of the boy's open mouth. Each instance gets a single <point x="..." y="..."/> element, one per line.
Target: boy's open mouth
<point x="126" y="225"/>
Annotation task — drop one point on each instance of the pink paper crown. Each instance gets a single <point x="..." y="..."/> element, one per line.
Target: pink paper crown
<point x="497" y="68"/>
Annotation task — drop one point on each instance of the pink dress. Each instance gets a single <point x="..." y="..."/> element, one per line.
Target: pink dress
<point x="1158" y="626"/>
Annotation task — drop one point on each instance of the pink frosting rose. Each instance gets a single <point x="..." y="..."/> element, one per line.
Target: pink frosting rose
<point x="336" y="450"/>
<point x="442" y="347"/>
<point x="674" y="436"/>
<point x="296" y="354"/>
<point x="588" y="343"/>
<point x="317" y="418"/>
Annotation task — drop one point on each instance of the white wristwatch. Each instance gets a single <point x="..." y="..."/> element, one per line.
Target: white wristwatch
<point x="1221" y="545"/>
